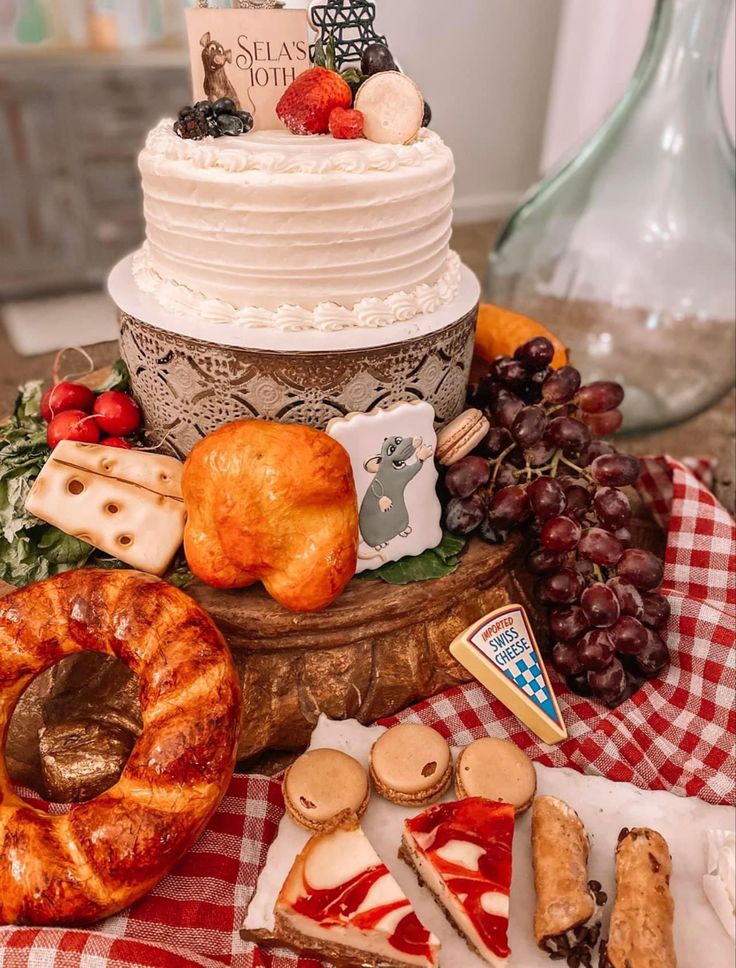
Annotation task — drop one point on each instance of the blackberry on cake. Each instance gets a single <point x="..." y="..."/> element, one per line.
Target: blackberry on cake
<point x="192" y="124"/>
<point x="212" y="120"/>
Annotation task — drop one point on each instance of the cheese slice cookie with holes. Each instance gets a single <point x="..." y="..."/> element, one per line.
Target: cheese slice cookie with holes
<point x="127" y="503"/>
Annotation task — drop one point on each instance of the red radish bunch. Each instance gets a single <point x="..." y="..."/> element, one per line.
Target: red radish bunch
<point x="74" y="412"/>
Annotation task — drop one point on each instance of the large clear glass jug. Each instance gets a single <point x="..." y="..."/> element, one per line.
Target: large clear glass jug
<point x="628" y="253"/>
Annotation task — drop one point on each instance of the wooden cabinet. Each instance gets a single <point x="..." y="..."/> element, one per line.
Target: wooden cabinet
<point x="71" y="127"/>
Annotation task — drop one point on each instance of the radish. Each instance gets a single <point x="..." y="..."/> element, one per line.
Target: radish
<point x="65" y="396"/>
<point x="116" y="442"/>
<point x="72" y="425"/>
<point x="117" y="413"/>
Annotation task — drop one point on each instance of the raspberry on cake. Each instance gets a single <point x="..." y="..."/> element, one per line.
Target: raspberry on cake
<point x="340" y="903"/>
<point x="462" y="853"/>
<point x="346" y="124"/>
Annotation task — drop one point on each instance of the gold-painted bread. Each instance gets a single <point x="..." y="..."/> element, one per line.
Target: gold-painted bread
<point x="274" y="503"/>
<point x="107" y="853"/>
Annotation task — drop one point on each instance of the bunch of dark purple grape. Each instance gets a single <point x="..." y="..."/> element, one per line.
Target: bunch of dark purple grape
<point x="542" y="465"/>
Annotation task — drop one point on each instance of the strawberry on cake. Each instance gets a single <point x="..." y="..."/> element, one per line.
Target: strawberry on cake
<point x="462" y="853"/>
<point x="340" y="903"/>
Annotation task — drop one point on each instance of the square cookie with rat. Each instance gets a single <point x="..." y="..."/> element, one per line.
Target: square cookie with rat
<point x="392" y="453"/>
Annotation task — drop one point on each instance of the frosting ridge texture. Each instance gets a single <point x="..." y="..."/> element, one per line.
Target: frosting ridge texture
<point x="271" y="229"/>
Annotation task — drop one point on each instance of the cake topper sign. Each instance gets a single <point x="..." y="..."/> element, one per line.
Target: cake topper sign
<point x="250" y="54"/>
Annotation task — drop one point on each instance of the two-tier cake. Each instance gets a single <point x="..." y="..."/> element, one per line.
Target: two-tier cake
<point x="294" y="278"/>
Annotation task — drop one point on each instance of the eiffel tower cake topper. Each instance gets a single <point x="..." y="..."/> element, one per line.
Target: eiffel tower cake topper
<point x="351" y="23"/>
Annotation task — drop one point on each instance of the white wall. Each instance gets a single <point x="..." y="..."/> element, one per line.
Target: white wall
<point x="485" y="67"/>
<point x="599" y="46"/>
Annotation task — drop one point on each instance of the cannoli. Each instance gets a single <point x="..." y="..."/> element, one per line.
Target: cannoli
<point x="641" y="935"/>
<point x="567" y="917"/>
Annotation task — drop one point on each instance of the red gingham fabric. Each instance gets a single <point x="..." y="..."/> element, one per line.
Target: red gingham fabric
<point x="676" y="733"/>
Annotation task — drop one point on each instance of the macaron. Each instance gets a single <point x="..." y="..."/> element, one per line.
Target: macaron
<point x="392" y="107"/>
<point x="496" y="770"/>
<point x="461" y="436"/>
<point x="322" y="784"/>
<point x="411" y="764"/>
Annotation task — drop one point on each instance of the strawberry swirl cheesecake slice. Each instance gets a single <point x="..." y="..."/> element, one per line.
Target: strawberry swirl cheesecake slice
<point x="341" y="903"/>
<point x="462" y="853"/>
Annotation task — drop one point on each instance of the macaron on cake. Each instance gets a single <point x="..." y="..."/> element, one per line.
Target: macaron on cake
<point x="322" y="784"/>
<point x="461" y="436"/>
<point x="498" y="770"/>
<point x="411" y="764"/>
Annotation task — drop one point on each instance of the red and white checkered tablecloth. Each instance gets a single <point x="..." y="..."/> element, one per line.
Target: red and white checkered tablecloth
<point x="677" y="733"/>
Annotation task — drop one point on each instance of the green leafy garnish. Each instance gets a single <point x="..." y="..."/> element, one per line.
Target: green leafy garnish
<point x="179" y="574"/>
<point x="30" y="550"/>
<point x="436" y="563"/>
<point x="119" y="379"/>
<point x="325" y="55"/>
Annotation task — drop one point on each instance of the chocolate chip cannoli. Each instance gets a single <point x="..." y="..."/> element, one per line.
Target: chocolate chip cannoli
<point x="567" y="917"/>
<point x="641" y="933"/>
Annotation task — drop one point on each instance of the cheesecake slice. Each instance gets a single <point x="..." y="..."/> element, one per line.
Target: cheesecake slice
<point x="462" y="853"/>
<point x="340" y="903"/>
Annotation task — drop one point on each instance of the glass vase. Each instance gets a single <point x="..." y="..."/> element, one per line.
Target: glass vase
<point x="628" y="252"/>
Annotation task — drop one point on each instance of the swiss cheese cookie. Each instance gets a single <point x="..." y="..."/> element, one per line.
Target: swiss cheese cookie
<point x="496" y="769"/>
<point x="411" y="764"/>
<point x="322" y="784"/>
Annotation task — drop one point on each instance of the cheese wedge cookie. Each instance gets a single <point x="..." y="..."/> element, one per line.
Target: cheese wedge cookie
<point x="127" y="503"/>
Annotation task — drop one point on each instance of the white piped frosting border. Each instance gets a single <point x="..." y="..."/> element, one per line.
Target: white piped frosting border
<point x="280" y="152"/>
<point x="373" y="313"/>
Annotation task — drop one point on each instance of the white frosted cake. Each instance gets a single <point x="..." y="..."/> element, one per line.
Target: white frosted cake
<point x="296" y="233"/>
<point x="293" y="277"/>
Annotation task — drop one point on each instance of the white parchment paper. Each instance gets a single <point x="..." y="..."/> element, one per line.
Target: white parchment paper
<point x="604" y="807"/>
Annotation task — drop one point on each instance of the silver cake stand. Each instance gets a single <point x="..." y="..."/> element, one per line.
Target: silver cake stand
<point x="192" y="375"/>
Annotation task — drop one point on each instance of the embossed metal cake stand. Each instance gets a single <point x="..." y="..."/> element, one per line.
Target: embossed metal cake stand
<point x="191" y="376"/>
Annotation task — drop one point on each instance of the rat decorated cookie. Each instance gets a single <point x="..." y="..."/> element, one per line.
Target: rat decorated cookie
<point x="392" y="455"/>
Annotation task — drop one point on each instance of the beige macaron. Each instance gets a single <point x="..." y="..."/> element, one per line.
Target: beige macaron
<point x="392" y="106"/>
<point x="322" y="784"/>
<point x="461" y="436"/>
<point x="411" y="764"/>
<point x="496" y="769"/>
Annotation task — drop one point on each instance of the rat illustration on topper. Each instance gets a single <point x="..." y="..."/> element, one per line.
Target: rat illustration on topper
<point x="249" y="53"/>
<point x="391" y="452"/>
